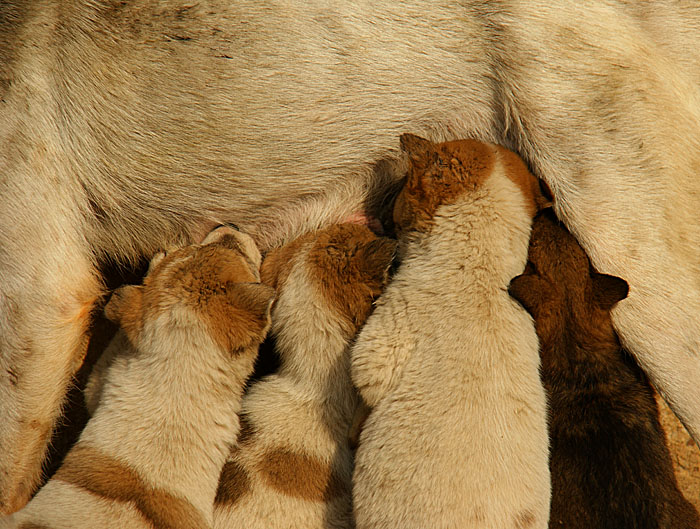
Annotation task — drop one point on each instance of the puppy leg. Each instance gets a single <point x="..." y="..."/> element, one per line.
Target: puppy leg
<point x="377" y="358"/>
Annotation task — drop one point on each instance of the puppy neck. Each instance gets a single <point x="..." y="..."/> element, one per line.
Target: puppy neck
<point x="312" y="339"/>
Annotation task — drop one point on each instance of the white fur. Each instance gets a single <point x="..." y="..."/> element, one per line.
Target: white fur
<point x="449" y="364"/>
<point x="126" y="128"/>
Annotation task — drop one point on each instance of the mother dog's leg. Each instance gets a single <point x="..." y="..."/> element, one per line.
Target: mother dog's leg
<point x="48" y="283"/>
<point x="47" y="292"/>
<point x="619" y="144"/>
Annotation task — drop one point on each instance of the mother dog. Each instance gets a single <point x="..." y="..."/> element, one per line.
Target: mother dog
<point x="127" y="126"/>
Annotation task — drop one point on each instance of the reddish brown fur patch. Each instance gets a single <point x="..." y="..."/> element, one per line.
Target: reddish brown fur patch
<point x="205" y="268"/>
<point x="215" y="280"/>
<point x="239" y="316"/>
<point x="104" y="476"/>
<point x="234" y="483"/>
<point x="278" y="263"/>
<point x="438" y="175"/>
<point x="232" y="243"/>
<point x="559" y="279"/>
<point x="350" y="263"/>
<point x="30" y="525"/>
<point x="301" y="476"/>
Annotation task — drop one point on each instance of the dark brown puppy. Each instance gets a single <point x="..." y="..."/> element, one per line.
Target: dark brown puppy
<point x="610" y="465"/>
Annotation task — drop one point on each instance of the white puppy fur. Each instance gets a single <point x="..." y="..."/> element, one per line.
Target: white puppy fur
<point x="448" y="362"/>
<point x="151" y="454"/>
<point x="292" y="466"/>
<point x="127" y="126"/>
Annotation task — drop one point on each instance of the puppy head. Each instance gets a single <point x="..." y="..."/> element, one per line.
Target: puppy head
<point x="346" y="265"/>
<point x="559" y="282"/>
<point x="214" y="285"/>
<point x="439" y="173"/>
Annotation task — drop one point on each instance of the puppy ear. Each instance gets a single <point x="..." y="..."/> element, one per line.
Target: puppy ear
<point x="544" y="198"/>
<point x="608" y="290"/>
<point x="247" y="315"/>
<point x="255" y="298"/>
<point x="220" y="233"/>
<point x="524" y="289"/>
<point x="271" y="267"/>
<point x="376" y="258"/>
<point x="415" y="146"/>
<point x="125" y="308"/>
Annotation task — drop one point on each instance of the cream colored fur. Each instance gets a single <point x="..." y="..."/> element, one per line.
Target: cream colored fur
<point x="125" y="127"/>
<point x="305" y="410"/>
<point x="167" y="404"/>
<point x="449" y="365"/>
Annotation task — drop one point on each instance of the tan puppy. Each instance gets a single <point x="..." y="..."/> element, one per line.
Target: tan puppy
<point x="127" y="126"/>
<point x="292" y="466"/>
<point x="448" y="362"/>
<point x="151" y="454"/>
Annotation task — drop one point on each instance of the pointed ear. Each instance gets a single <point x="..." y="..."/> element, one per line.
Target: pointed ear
<point x="377" y="256"/>
<point x="608" y="290"/>
<point x="415" y="146"/>
<point x="125" y="308"/>
<point x="543" y="198"/>
<point x="524" y="289"/>
<point x="246" y="319"/>
<point x="256" y="298"/>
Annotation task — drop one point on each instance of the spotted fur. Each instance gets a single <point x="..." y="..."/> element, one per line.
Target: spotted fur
<point x="292" y="465"/>
<point x="167" y="402"/>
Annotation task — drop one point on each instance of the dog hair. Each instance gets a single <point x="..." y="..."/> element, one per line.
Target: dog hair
<point x="448" y="363"/>
<point x="292" y="466"/>
<point x="610" y="466"/>
<point x="126" y="127"/>
<point x="152" y="452"/>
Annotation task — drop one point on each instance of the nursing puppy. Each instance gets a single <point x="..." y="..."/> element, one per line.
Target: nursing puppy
<point x="610" y="466"/>
<point x="292" y="466"/>
<point x="151" y="454"/>
<point x="129" y="126"/>
<point x="448" y="362"/>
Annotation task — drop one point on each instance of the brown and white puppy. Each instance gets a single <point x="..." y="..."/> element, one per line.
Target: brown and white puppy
<point x="292" y="466"/>
<point x="127" y="126"/>
<point x="609" y="461"/>
<point x="448" y="362"/>
<point x="153" y="450"/>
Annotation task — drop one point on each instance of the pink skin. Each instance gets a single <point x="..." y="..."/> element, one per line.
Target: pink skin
<point x="365" y="220"/>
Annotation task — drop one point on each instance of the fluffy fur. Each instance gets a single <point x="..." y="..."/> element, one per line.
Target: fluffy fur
<point x="126" y="126"/>
<point x="448" y="362"/>
<point x="292" y="466"/>
<point x="610" y="466"/>
<point x="151" y="454"/>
